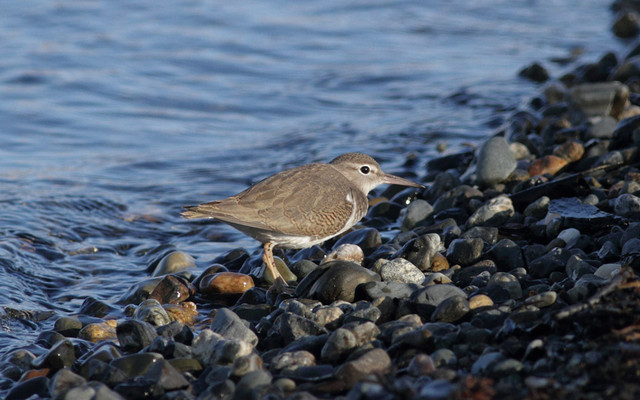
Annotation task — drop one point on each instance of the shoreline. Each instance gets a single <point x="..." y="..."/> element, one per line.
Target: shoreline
<point x="516" y="278"/>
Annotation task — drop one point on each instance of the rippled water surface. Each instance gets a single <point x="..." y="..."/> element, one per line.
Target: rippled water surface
<point x="113" y="115"/>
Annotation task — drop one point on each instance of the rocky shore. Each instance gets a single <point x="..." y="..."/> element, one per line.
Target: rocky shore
<point x="514" y="275"/>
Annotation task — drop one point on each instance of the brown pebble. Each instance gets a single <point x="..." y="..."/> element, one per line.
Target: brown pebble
<point x="439" y="263"/>
<point x="226" y="283"/>
<point x="480" y="300"/>
<point x="547" y="165"/>
<point x="34" y="373"/>
<point x="99" y="331"/>
<point x="172" y="289"/>
<point x="185" y="313"/>
<point x="570" y="151"/>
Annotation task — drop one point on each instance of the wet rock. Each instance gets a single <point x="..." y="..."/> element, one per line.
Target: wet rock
<point x="152" y="312"/>
<point x="292" y="360"/>
<point x="338" y="345"/>
<point x="479" y="301"/>
<point x="165" y="377"/>
<point x="135" y="335"/>
<point x="604" y="128"/>
<point x="185" y="313"/>
<point x="339" y="281"/>
<point x="136" y="364"/>
<point x="229" y="325"/>
<point x="95" y="308"/>
<point x="417" y="211"/>
<point x="570" y="151"/>
<point x="248" y="386"/>
<point x="631" y="247"/>
<point x="293" y="327"/>
<point x="376" y="361"/>
<point x="507" y="282"/>
<point x="225" y="283"/>
<point x="172" y="289"/>
<point x="63" y="381"/>
<point x="368" y="239"/>
<point x="507" y="255"/>
<point x="599" y="99"/>
<point x="396" y="290"/>
<point x="99" y="331"/>
<point x="169" y="348"/>
<point x="398" y="270"/>
<point x="495" y="162"/>
<point x="548" y="164"/>
<point x="535" y="72"/>
<point x="451" y="309"/>
<point x="555" y="260"/>
<point x="465" y="251"/>
<point x="93" y="390"/>
<point x="421" y="365"/>
<point x="488" y="234"/>
<point x="628" y="205"/>
<point x="493" y="213"/>
<point x="345" y="252"/>
<point x="420" y="251"/>
<point x="577" y="267"/>
<point x="607" y="271"/>
<point x="544" y="299"/>
<point x="244" y="365"/>
<point x="174" y="262"/>
<point x="428" y="298"/>
<point x="302" y="268"/>
<point x="463" y="276"/>
<point x="626" y="25"/>
<point x="140" y="291"/>
<point x="439" y="263"/>
<point x="61" y="355"/>
<point x="38" y="387"/>
<point x="68" y="326"/>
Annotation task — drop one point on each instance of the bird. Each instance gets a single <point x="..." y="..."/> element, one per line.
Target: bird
<point x="303" y="206"/>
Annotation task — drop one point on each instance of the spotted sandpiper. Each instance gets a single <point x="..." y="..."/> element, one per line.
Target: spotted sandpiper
<point x="303" y="206"/>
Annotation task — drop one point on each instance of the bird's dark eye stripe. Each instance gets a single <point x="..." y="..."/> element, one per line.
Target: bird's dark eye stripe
<point x="365" y="169"/>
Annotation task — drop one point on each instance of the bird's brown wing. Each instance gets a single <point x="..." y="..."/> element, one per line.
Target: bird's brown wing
<point x="308" y="200"/>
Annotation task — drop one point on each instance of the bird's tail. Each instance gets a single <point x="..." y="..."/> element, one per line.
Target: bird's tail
<point x="193" y="212"/>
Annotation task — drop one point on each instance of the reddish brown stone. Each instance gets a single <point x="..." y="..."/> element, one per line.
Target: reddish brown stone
<point x="547" y="165"/>
<point x="226" y="283"/>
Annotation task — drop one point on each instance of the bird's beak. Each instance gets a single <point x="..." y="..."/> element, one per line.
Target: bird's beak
<point x="396" y="180"/>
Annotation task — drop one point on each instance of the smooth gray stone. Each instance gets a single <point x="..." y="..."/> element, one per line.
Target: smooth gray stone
<point x="229" y="325"/>
<point x="495" y="161"/>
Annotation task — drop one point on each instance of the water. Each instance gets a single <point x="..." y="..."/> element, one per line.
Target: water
<point x="114" y="115"/>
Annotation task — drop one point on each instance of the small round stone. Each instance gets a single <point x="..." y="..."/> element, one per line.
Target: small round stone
<point x="480" y="300"/>
<point x="507" y="282"/>
<point x="174" y="262"/>
<point x="495" y="161"/>
<point x="345" y="252"/>
<point x="400" y="270"/>
<point x="225" y="283"/>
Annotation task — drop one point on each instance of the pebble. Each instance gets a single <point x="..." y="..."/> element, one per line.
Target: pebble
<point x="399" y="270"/>
<point x="417" y="211"/>
<point x="493" y="213"/>
<point x="229" y="325"/>
<point x="507" y="282"/>
<point x="627" y="205"/>
<point x="174" y="262"/>
<point x="607" y="271"/>
<point x="479" y="301"/>
<point x="172" y="289"/>
<point x="451" y="309"/>
<point x="495" y="162"/>
<point x="373" y="362"/>
<point x="339" y="281"/>
<point x="548" y="164"/>
<point x="152" y="312"/>
<point x="99" y="331"/>
<point x="428" y="298"/>
<point x="225" y="283"/>
<point x="465" y="251"/>
<point x="421" y="251"/>
<point x="544" y="299"/>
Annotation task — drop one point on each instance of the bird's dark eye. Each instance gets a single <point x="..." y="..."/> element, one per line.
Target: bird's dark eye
<point x="365" y="169"/>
